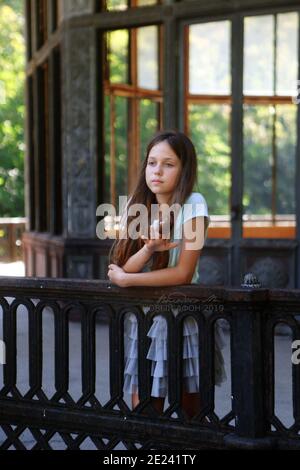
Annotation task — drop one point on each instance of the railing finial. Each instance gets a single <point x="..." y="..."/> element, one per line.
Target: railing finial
<point x="250" y="281"/>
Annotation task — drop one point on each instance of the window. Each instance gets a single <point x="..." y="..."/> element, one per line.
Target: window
<point x="269" y="119"/>
<point x="270" y="82"/>
<point x="132" y="103"/>
<point x="119" y="5"/>
<point x="208" y="112"/>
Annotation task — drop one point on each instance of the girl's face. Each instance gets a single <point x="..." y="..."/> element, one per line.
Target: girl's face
<point x="163" y="171"/>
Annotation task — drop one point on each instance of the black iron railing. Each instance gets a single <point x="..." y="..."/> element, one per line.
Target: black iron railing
<point x="31" y="416"/>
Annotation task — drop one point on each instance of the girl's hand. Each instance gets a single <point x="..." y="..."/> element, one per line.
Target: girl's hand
<point x="117" y="275"/>
<point x="155" y="242"/>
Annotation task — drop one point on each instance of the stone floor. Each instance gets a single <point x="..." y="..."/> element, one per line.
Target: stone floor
<point x="16" y="269"/>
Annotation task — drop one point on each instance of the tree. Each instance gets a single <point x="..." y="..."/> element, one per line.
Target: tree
<point x="12" y="53"/>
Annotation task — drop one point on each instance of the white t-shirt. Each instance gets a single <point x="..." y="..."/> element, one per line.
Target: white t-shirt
<point x="194" y="206"/>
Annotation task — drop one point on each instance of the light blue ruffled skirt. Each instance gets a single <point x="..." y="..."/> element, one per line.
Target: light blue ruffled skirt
<point x="158" y="355"/>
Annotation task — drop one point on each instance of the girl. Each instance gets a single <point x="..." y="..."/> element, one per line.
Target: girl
<point x="168" y="176"/>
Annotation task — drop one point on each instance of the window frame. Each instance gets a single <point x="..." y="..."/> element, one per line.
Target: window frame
<point x="134" y="94"/>
<point x="236" y="227"/>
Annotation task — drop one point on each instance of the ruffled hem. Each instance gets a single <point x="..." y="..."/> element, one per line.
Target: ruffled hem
<point x="131" y="366"/>
<point x="191" y="384"/>
<point x="159" y="387"/>
<point x="130" y="383"/>
<point x="158" y="355"/>
<point x="159" y="369"/>
<point x="191" y="367"/>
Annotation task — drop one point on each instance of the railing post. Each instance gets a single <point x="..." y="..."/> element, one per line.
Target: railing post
<point x="248" y="365"/>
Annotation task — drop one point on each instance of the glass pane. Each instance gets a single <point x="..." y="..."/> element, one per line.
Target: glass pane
<point x="117" y="45"/>
<point x="107" y="136"/>
<point x="116" y="150"/>
<point x="148" y="123"/>
<point x="209" y="58"/>
<point x="209" y="131"/>
<point x="287" y="53"/>
<point x="116" y="5"/>
<point x="258" y="122"/>
<point x="258" y="60"/>
<point x="286" y="158"/>
<point x="142" y="3"/>
<point x="121" y="132"/>
<point x="147" y="47"/>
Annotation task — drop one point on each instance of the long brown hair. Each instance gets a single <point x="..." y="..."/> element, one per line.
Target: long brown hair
<point x="123" y="249"/>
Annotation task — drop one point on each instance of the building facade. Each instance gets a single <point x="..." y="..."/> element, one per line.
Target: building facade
<point x="102" y="77"/>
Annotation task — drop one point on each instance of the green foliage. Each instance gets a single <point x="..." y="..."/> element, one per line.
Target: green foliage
<point x="209" y="131"/>
<point x="16" y="5"/>
<point x="257" y="155"/>
<point x="121" y="146"/>
<point x="286" y="132"/>
<point x="116" y="4"/>
<point x="117" y="42"/>
<point x="12" y="51"/>
<point x="258" y="141"/>
<point x="148" y="124"/>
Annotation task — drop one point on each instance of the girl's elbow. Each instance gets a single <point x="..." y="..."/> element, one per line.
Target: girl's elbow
<point x="188" y="280"/>
<point x="128" y="271"/>
<point x="184" y="277"/>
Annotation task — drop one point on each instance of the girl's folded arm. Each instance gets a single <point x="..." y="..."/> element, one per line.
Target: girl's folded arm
<point x="180" y="274"/>
<point x="137" y="261"/>
<point x="160" y="277"/>
<point x="191" y="246"/>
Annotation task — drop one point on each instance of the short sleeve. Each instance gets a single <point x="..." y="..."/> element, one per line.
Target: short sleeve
<point x="195" y="206"/>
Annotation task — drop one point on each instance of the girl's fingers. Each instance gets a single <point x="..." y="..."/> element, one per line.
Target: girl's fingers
<point x="173" y="245"/>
